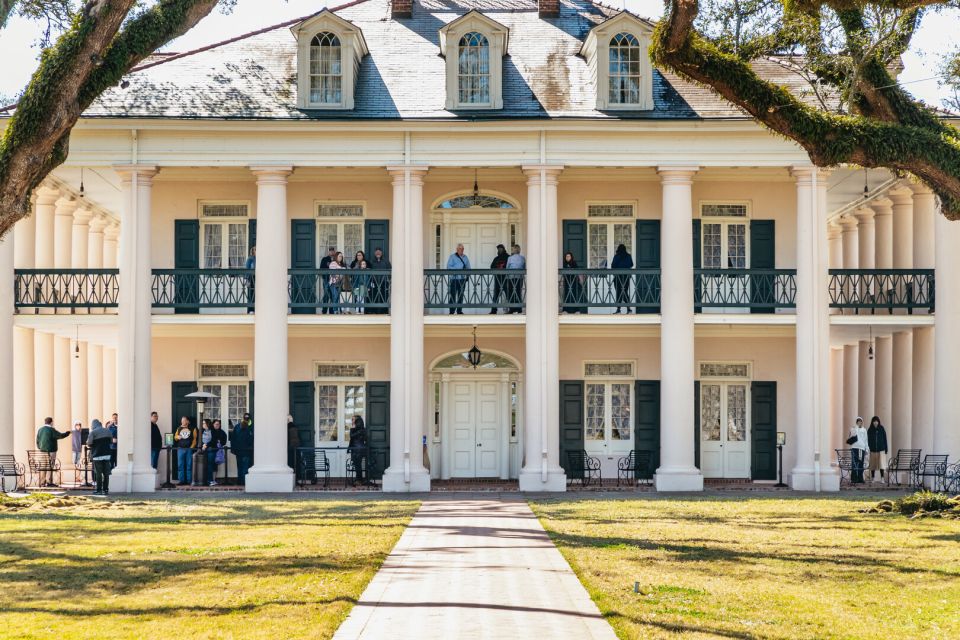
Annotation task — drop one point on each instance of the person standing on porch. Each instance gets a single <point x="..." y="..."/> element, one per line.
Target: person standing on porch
<point x="335" y="281"/>
<point x="325" y="282"/>
<point x="76" y="443"/>
<point x="358" y="447"/>
<point x="859" y="448"/>
<point x="241" y="445"/>
<point x="877" y="440"/>
<point x="622" y="260"/>
<point x="113" y="424"/>
<point x="213" y="451"/>
<point x="47" y="437"/>
<point x="457" y="261"/>
<point x="499" y="262"/>
<point x="379" y="287"/>
<point x="185" y="439"/>
<point x="156" y="440"/>
<point x="572" y="286"/>
<point x="99" y="442"/>
<point x="251" y="280"/>
<point x="515" y="283"/>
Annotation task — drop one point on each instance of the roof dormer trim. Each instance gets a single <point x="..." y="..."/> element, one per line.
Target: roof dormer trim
<point x="596" y="51"/>
<point x="353" y="47"/>
<point x="473" y="20"/>
<point x="482" y="76"/>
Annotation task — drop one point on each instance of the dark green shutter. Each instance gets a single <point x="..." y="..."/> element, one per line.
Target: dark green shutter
<point x="183" y="406"/>
<point x="646" y="430"/>
<point x="571" y="421"/>
<point x="378" y="427"/>
<point x="696" y="424"/>
<point x="648" y="257"/>
<point x="376" y="233"/>
<point x="186" y="255"/>
<point x="763" y="425"/>
<point x="303" y="255"/>
<point x="575" y="240"/>
<point x="251" y="395"/>
<point x="251" y="234"/>
<point x="301" y="409"/>
<point x="762" y="256"/>
<point x="697" y="264"/>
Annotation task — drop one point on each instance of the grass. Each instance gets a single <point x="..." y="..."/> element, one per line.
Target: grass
<point x="761" y="568"/>
<point x="190" y="568"/>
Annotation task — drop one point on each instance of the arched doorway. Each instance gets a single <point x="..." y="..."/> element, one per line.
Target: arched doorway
<point x="476" y="417"/>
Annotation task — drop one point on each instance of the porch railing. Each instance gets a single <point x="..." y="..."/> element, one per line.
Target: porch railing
<point x="71" y="289"/>
<point x="759" y="290"/>
<point x="351" y="291"/>
<point x="194" y="289"/>
<point x="457" y="289"/>
<point x="583" y="290"/>
<point x="874" y="290"/>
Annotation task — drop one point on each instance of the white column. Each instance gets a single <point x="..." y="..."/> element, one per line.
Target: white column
<point x="94" y="383"/>
<point x="25" y="243"/>
<point x="902" y="198"/>
<point x="812" y="430"/>
<point x="946" y="398"/>
<point x="43" y="379"/>
<point x="883" y="380"/>
<point x="134" y="355"/>
<point x="111" y="234"/>
<point x="62" y="394"/>
<point x="851" y="385"/>
<point x="79" y="239"/>
<point x="270" y="472"/>
<point x="900" y="432"/>
<point x="850" y="239"/>
<point x="924" y="210"/>
<point x="7" y="368"/>
<point x="836" y="403"/>
<point x="95" y="242"/>
<point x="79" y="381"/>
<point x="46" y="201"/>
<point x="23" y="393"/>
<point x="407" y="417"/>
<point x="883" y="224"/>
<point x="868" y="380"/>
<point x="677" y="471"/>
<point x="923" y="388"/>
<point x="541" y="470"/>
<point x="63" y="233"/>
<point x="109" y="381"/>
<point x="867" y="232"/>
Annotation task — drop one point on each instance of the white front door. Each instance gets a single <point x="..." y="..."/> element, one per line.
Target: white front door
<point x="724" y="434"/>
<point x="474" y="432"/>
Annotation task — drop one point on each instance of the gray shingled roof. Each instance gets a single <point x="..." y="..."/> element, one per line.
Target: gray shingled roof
<point x="403" y="77"/>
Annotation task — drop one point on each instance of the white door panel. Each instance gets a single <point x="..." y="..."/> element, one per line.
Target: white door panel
<point x="462" y="431"/>
<point x="724" y="430"/>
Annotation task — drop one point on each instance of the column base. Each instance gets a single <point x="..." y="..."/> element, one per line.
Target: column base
<point x="805" y="480"/>
<point x="141" y="480"/>
<point x="678" y="480"/>
<point x="269" y="480"/>
<point x="394" y="482"/>
<point x="532" y="480"/>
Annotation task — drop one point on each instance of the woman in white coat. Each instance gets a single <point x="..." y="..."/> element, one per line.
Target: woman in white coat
<point x="859" y="447"/>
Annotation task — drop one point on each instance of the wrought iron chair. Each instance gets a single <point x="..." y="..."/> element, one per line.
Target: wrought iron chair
<point x="310" y="464"/>
<point x="10" y="468"/>
<point x="42" y="464"/>
<point x="845" y="464"/>
<point x="583" y="467"/>
<point x="933" y="466"/>
<point x="905" y="460"/>
<point x="636" y="466"/>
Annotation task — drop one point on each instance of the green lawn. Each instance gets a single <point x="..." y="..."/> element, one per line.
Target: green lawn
<point x="191" y="568"/>
<point x="761" y="568"/>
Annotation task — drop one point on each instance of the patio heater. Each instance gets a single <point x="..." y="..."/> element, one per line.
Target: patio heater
<point x="781" y="440"/>
<point x="201" y="398"/>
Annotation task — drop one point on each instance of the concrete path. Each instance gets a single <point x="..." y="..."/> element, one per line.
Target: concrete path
<point x="468" y="569"/>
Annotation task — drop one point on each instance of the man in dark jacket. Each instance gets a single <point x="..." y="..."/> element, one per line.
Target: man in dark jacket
<point x="358" y="447"/>
<point x="47" y="438"/>
<point x="499" y="262"/>
<point x="325" y="264"/>
<point x="241" y="445"/>
<point x="379" y="289"/>
<point x="156" y="440"/>
<point x="113" y="425"/>
<point x="99" y="442"/>
<point x="877" y="441"/>
<point x="293" y="441"/>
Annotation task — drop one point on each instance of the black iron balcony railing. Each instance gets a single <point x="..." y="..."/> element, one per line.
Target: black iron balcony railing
<point x="339" y="291"/>
<point x="190" y="290"/>
<point x="459" y="289"/>
<point x="759" y="290"/>
<point x="882" y="290"/>
<point x="609" y="290"/>
<point x="71" y="289"/>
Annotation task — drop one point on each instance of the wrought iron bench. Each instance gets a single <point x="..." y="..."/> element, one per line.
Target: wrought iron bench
<point x="845" y="464"/>
<point x="583" y="467"/>
<point x="43" y="464"/>
<point x="636" y="467"/>
<point x="10" y="468"/>
<point x="933" y="466"/>
<point x="951" y="479"/>
<point x="310" y="464"/>
<point x="905" y="460"/>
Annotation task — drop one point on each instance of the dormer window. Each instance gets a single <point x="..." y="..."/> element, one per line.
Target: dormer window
<point x="329" y="51"/>
<point x="616" y="51"/>
<point x="474" y="46"/>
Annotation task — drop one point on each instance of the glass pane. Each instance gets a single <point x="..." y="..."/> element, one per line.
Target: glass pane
<point x="737" y="246"/>
<point x="352" y="241"/>
<point x="712" y="246"/>
<point x="212" y="246"/>
<point x="621" y="426"/>
<point x="514" y="409"/>
<point x="596" y="412"/>
<point x="598" y="246"/>
<point x="328" y="237"/>
<point x="623" y="234"/>
<point x="211" y="409"/>
<point x="326" y="413"/>
<point x="473" y="69"/>
<point x="736" y="413"/>
<point x="237" y="238"/>
<point x="353" y="404"/>
<point x="710" y="412"/>
<point x="237" y="402"/>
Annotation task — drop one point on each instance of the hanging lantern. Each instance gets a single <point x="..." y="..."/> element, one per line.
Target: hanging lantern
<point x="474" y="354"/>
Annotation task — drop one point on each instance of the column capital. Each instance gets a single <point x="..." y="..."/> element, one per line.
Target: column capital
<point x="111" y="231"/>
<point x="921" y="189"/>
<point x="550" y="171"/>
<point x="144" y="173"/>
<point x="416" y="171"/>
<point x="98" y="223"/>
<point x="46" y="195"/>
<point x="82" y="216"/>
<point x="848" y="223"/>
<point x="882" y="206"/>
<point x="65" y="206"/>
<point x="271" y="174"/>
<point x="678" y="174"/>
<point x="901" y="194"/>
<point x="803" y="173"/>
<point x="864" y="215"/>
<point x="833" y="229"/>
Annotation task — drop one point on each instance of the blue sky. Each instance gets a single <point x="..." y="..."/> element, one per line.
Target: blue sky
<point x="19" y="53"/>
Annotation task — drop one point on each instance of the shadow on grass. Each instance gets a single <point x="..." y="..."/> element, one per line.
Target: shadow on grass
<point x="684" y="628"/>
<point x="172" y="611"/>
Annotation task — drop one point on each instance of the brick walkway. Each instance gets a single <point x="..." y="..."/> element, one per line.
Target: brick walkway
<point x="470" y="569"/>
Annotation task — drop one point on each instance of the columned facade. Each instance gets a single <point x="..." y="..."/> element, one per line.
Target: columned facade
<point x="924" y="257"/>
<point x="946" y="399"/>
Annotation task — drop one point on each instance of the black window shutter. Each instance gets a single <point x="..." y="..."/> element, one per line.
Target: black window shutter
<point x="378" y="428"/>
<point x="376" y="234"/>
<point x="697" y="264"/>
<point x="182" y="406"/>
<point x="646" y="430"/>
<point x="762" y="256"/>
<point x="763" y="435"/>
<point x="251" y="233"/>
<point x="696" y="424"/>
<point x="301" y="409"/>
<point x="648" y="257"/>
<point x="571" y="421"/>
<point x="250" y="399"/>
<point x="186" y="255"/>
<point x="575" y="241"/>
<point x="303" y="255"/>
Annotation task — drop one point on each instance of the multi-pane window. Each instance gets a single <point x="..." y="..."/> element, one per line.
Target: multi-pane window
<point x="334" y="228"/>
<point x="624" y="69"/>
<point x="341" y="370"/>
<point x="604" y="238"/>
<point x="473" y="69"/>
<point x="224" y="235"/>
<point x="341" y="395"/>
<point x="473" y="201"/>
<point x="724" y="236"/>
<point x="229" y="385"/>
<point x="326" y="69"/>
<point x="602" y="369"/>
<point x="514" y="410"/>
<point x="608" y="423"/>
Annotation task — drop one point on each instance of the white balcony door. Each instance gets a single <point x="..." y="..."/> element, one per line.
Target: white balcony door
<point x="725" y="247"/>
<point x="474" y="431"/>
<point x="479" y="240"/>
<point x="724" y="430"/>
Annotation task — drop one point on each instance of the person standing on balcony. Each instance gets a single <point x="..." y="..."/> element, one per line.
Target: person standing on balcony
<point x="378" y="288"/>
<point x="251" y="264"/>
<point x="113" y="425"/>
<point x="241" y="445"/>
<point x="336" y="281"/>
<point x="622" y="260"/>
<point x="213" y="451"/>
<point x="877" y="441"/>
<point x="185" y="440"/>
<point x="499" y="262"/>
<point x="572" y="286"/>
<point x="515" y="283"/>
<point x="361" y="283"/>
<point x="324" y="265"/>
<point x="156" y="440"/>
<point x="47" y="437"/>
<point x="457" y="261"/>
<point x="99" y="442"/>
<point x="76" y="443"/>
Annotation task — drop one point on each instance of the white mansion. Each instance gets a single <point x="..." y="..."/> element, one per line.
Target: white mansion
<point x="761" y="294"/>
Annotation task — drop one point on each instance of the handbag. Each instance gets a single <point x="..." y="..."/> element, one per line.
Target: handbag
<point x="851" y="439"/>
<point x="221" y="456"/>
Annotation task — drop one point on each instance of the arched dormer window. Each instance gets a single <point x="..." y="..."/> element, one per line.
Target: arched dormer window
<point x="624" y="69"/>
<point x="473" y="69"/>
<point x="326" y="69"/>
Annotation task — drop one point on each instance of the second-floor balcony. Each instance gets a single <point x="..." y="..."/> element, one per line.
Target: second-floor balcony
<point x="459" y="291"/>
<point x="882" y="290"/>
<point x="747" y="290"/>
<point x="609" y="290"/>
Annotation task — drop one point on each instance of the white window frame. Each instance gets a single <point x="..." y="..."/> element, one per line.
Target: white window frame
<point x="329" y="37"/>
<point x="340" y="382"/>
<point x="723" y="381"/>
<point x="497" y="38"/>
<point x="224" y="222"/>
<point x="725" y="222"/>
<point x="639" y="75"/>
<point x="339" y="221"/>
<point x="353" y="48"/>
<point x="610" y="221"/>
<point x="608" y="445"/>
<point x="224" y="382"/>
<point x="596" y="50"/>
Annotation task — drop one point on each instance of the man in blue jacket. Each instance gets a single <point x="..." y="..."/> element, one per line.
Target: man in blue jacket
<point x="457" y="261"/>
